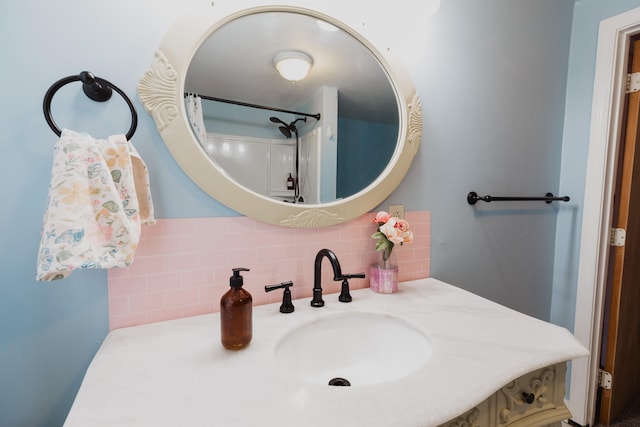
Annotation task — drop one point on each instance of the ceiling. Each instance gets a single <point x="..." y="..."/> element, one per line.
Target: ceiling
<point x="236" y="63"/>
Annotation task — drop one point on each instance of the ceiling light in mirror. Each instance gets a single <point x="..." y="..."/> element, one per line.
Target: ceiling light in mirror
<point x="292" y="65"/>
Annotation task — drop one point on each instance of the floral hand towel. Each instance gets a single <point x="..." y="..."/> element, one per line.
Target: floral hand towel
<point x="98" y="198"/>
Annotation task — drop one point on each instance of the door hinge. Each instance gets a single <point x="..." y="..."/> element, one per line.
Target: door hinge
<point x="618" y="235"/>
<point x="633" y="83"/>
<point x="604" y="379"/>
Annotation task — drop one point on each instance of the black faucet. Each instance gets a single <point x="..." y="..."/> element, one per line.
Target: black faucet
<point x="345" y="296"/>
<point x="287" y="305"/>
<point x="317" y="275"/>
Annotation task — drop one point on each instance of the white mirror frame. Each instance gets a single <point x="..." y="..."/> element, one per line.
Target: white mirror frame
<point x="161" y="92"/>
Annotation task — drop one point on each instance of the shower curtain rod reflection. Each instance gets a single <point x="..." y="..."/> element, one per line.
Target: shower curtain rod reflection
<point x="262" y="107"/>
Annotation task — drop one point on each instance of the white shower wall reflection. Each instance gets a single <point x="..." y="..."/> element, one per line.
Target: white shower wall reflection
<point x="264" y="164"/>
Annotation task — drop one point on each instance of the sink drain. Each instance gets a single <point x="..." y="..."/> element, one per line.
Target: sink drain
<point x="340" y="382"/>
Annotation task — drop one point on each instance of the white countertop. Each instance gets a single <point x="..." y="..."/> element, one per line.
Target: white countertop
<point x="176" y="373"/>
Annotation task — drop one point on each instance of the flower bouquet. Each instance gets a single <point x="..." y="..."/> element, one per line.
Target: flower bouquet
<point x="391" y="231"/>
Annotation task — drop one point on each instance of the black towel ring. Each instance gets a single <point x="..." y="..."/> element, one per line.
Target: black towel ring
<point x="97" y="89"/>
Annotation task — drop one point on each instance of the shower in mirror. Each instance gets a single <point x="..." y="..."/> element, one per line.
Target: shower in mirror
<point x="286" y="130"/>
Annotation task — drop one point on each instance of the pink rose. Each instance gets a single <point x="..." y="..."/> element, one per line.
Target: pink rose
<point x="407" y="237"/>
<point x="382" y="217"/>
<point x="389" y="229"/>
<point x="397" y="231"/>
<point x="402" y="225"/>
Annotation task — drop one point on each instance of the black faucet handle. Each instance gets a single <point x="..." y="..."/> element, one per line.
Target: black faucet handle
<point x="287" y="305"/>
<point x="345" y="296"/>
<point x="354" y="276"/>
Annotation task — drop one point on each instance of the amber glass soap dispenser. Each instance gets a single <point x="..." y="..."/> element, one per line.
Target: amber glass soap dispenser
<point x="235" y="314"/>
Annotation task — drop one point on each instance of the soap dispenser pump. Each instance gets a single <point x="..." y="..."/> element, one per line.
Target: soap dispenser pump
<point x="235" y="314"/>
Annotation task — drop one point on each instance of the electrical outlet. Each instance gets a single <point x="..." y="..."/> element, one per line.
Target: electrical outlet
<point x="397" y="211"/>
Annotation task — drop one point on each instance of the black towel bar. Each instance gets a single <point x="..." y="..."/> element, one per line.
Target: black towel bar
<point x="473" y="197"/>
<point x="95" y="88"/>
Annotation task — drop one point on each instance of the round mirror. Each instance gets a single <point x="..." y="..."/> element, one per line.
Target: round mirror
<point x="292" y="151"/>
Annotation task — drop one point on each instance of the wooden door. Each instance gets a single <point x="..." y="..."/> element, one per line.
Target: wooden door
<point x="621" y="348"/>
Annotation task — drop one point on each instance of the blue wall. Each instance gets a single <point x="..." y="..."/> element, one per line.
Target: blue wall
<point x="492" y="77"/>
<point x="363" y="153"/>
<point x="50" y="331"/>
<point x="587" y="16"/>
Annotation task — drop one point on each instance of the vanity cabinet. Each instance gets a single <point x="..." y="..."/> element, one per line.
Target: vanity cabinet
<point x="535" y="399"/>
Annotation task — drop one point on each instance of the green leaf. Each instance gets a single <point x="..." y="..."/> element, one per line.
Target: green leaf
<point x="116" y="175"/>
<point x="382" y="245"/>
<point x="378" y="235"/>
<point x="111" y="206"/>
<point x="63" y="255"/>
<point x="70" y="147"/>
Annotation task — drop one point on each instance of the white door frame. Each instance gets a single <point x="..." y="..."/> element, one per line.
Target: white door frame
<point x="607" y="109"/>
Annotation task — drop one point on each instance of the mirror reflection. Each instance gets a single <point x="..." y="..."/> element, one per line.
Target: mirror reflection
<point x="311" y="138"/>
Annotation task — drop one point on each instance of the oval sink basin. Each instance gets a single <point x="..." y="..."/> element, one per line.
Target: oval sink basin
<point x="363" y="348"/>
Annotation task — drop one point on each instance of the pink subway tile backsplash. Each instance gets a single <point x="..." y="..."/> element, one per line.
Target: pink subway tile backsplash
<point x="182" y="266"/>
